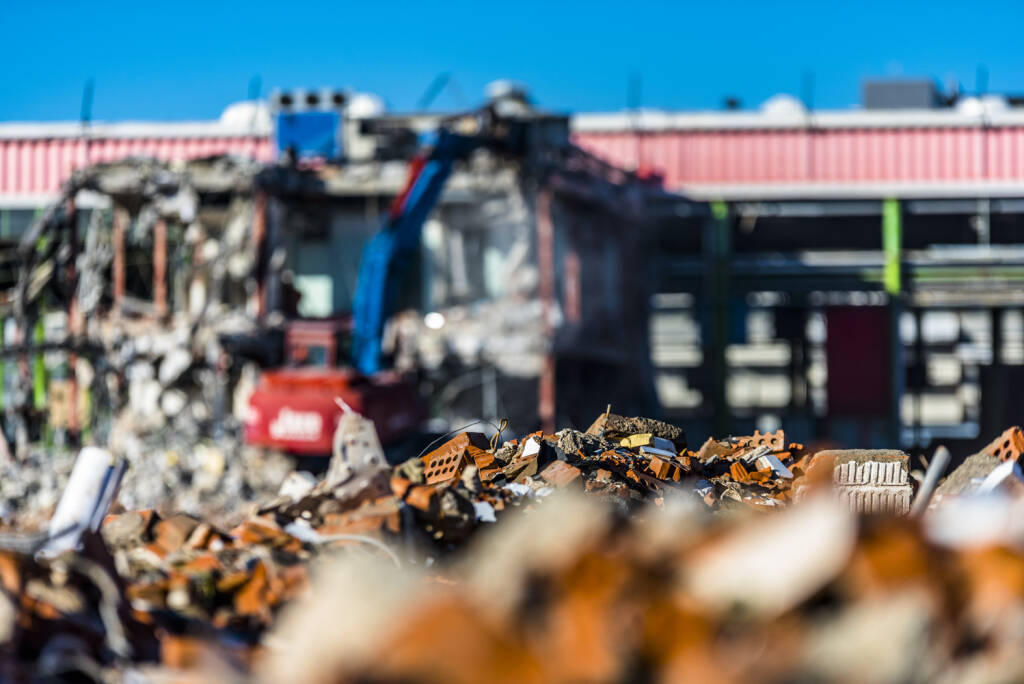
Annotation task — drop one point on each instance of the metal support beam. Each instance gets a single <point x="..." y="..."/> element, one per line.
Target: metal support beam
<point x="258" y="304"/>
<point x="997" y="336"/>
<point x="717" y="247"/>
<point x="160" y="267"/>
<point x="920" y="378"/>
<point x="76" y="325"/>
<point x="117" y="246"/>
<point x="546" y="265"/>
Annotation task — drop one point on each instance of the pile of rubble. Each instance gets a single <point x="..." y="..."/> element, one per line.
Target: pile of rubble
<point x="610" y="554"/>
<point x="572" y="592"/>
<point x="221" y="480"/>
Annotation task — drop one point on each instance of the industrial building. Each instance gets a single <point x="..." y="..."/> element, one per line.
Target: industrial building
<point x="810" y="240"/>
<point x="896" y="225"/>
<point x="521" y="306"/>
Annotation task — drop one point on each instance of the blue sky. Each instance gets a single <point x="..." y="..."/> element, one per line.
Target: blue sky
<point x="188" y="60"/>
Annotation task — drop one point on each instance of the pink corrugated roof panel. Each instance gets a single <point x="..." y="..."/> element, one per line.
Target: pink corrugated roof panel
<point x="863" y="155"/>
<point x="40" y="166"/>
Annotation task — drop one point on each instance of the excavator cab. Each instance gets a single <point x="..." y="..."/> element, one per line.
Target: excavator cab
<point x="293" y="407"/>
<point x="318" y="343"/>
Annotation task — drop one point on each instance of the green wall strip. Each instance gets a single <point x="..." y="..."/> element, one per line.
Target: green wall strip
<point x="39" y="369"/>
<point x="891" y="244"/>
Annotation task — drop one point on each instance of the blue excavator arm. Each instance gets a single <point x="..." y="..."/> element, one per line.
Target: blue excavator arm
<point x="387" y="255"/>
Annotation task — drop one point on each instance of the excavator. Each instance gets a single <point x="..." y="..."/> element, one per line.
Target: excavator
<point x="293" y="408"/>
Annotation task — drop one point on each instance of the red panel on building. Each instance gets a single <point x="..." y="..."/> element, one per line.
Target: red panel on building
<point x="857" y="351"/>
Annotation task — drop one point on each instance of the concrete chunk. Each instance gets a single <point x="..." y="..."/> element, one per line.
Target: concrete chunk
<point x="871" y="480"/>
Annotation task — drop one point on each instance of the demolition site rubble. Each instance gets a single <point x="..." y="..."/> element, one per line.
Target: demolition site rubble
<point x="220" y="480"/>
<point x="619" y="553"/>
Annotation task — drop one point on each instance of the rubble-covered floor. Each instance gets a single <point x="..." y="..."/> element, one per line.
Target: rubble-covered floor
<point x="615" y="554"/>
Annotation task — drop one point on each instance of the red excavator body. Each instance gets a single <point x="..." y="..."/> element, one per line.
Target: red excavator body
<point x="293" y="408"/>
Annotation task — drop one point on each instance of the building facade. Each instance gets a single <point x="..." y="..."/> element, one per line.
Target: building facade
<point x="915" y="214"/>
<point x="862" y="280"/>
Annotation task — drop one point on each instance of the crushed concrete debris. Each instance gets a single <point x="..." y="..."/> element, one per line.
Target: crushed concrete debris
<point x="872" y="481"/>
<point x="969" y="476"/>
<point x="615" y="427"/>
<point x="219" y="480"/>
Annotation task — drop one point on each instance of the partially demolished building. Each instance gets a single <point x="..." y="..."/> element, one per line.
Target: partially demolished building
<point x="527" y="286"/>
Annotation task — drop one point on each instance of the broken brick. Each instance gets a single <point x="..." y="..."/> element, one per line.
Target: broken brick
<point x="421" y="497"/>
<point x="1008" y="446"/>
<point x="171" y="533"/>
<point x="560" y="474"/>
<point x="776" y="441"/>
<point x="446" y="461"/>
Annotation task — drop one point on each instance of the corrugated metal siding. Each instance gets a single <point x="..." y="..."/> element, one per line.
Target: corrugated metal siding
<point x="683" y="157"/>
<point x="799" y="156"/>
<point x="40" y="166"/>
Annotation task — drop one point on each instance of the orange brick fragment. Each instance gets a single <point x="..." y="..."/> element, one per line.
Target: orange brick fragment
<point x="251" y="598"/>
<point x="172" y="533"/>
<point x="157" y="550"/>
<point x="739" y="473"/>
<point x="421" y="497"/>
<point x="714" y="449"/>
<point x="11" y="571"/>
<point x="664" y="469"/>
<point x="488" y="474"/>
<point x="208" y="562"/>
<point x="153" y="593"/>
<point x="776" y="440"/>
<point x="266" y="533"/>
<point x="482" y="458"/>
<point x="1008" y="446"/>
<point x="361" y="521"/>
<point x="202" y="536"/>
<point x="446" y="462"/>
<point x="760" y="475"/>
<point x="183" y="652"/>
<point x="646" y="481"/>
<point x="400" y="485"/>
<point x="560" y="474"/>
<point x="232" y="581"/>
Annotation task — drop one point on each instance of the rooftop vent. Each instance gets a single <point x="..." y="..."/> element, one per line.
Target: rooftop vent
<point x="365" y="106"/>
<point x="984" y="105"/>
<point x="783" y="106"/>
<point x="509" y="97"/>
<point x="251" y="114"/>
<point x="901" y="94"/>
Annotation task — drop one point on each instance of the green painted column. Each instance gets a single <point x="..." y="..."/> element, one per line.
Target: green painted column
<point x="39" y="368"/>
<point x="892" y="245"/>
<point x="39" y="337"/>
<point x="892" y="280"/>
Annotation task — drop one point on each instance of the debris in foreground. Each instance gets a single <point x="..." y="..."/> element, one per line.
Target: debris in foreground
<point x="606" y="555"/>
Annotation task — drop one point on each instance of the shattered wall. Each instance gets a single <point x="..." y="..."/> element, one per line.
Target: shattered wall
<point x="127" y="305"/>
<point x="532" y="294"/>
